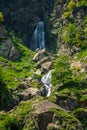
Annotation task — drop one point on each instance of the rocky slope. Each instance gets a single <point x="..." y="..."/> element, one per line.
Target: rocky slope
<point x="23" y="104"/>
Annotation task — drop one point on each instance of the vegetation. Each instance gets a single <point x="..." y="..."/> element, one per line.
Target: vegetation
<point x="62" y="72"/>
<point x="1" y="17"/>
<point x="4" y="93"/>
<point x="14" y="72"/>
<point x="70" y="26"/>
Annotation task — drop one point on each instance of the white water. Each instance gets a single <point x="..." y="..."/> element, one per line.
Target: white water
<point x="38" y="38"/>
<point x="46" y="79"/>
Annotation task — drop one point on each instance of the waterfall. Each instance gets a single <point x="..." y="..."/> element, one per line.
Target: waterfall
<point x="46" y="81"/>
<point x="38" y="38"/>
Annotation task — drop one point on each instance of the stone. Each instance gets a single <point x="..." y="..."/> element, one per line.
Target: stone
<point x="43" y="60"/>
<point x="7" y="48"/>
<point x="39" y="55"/>
<point x="53" y="126"/>
<point x="76" y="65"/>
<point x="22" y="85"/>
<point x="44" y="106"/>
<point x="38" y="72"/>
<point x="14" y="54"/>
<point x="27" y="94"/>
<point x="68" y="103"/>
<point x="46" y="66"/>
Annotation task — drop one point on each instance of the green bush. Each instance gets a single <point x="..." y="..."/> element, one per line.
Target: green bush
<point x="62" y="72"/>
<point x="4" y="93"/>
<point x="1" y="17"/>
<point x="71" y="5"/>
<point x="73" y="35"/>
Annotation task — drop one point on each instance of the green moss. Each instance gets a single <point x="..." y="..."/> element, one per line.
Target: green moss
<point x="81" y="114"/>
<point x="83" y="98"/>
<point x="16" y="71"/>
<point x="81" y="55"/>
<point x="64" y="119"/>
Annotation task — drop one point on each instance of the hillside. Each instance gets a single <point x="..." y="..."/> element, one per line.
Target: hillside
<point x="44" y="88"/>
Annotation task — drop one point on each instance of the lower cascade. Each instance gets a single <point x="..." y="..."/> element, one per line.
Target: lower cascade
<point x="38" y="38"/>
<point x="46" y="81"/>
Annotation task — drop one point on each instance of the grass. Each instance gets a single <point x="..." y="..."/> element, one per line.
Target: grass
<point x="16" y="71"/>
<point x="81" y="55"/>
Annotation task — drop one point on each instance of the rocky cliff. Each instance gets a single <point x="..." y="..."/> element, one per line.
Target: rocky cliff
<point x="24" y="104"/>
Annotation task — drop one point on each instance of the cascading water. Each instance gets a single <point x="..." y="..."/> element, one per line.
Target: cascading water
<point x="46" y="81"/>
<point x="38" y="38"/>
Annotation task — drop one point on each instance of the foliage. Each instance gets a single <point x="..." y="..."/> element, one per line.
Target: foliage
<point x="73" y="35"/>
<point x="71" y="5"/>
<point x="1" y="17"/>
<point x="66" y="14"/>
<point x="4" y="93"/>
<point x="15" y="120"/>
<point x="14" y="72"/>
<point x="81" y="3"/>
<point x="62" y="72"/>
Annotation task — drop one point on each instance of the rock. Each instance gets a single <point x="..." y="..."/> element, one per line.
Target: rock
<point x="46" y="67"/>
<point x="14" y="54"/>
<point x="43" y="91"/>
<point x="44" y="106"/>
<point x="7" y="48"/>
<point x="54" y="117"/>
<point x="85" y="58"/>
<point x="76" y="49"/>
<point x="22" y="86"/>
<point x="53" y="126"/>
<point x="66" y="102"/>
<point x="38" y="72"/>
<point x="40" y="54"/>
<point x="27" y="94"/>
<point x="76" y="65"/>
<point x="43" y="60"/>
<point x="29" y="80"/>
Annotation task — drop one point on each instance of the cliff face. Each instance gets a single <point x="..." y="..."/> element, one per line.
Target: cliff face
<point x="22" y="16"/>
<point x="59" y="16"/>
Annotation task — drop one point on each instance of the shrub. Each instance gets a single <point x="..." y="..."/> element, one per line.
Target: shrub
<point x="72" y="35"/>
<point x="81" y="3"/>
<point x="62" y="72"/>
<point x="1" y="17"/>
<point x="66" y="14"/>
<point x="71" y="5"/>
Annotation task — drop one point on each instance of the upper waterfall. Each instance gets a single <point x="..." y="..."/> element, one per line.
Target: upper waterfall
<point x="38" y="38"/>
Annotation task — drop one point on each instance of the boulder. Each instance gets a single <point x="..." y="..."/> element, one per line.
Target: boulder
<point x="22" y="86"/>
<point x="40" y="54"/>
<point x="47" y="115"/>
<point x="14" y="54"/>
<point x="28" y="94"/>
<point x="7" y="48"/>
<point x="44" y="60"/>
<point x="66" y="102"/>
<point x="46" y="66"/>
<point x="53" y="127"/>
<point x="38" y="72"/>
